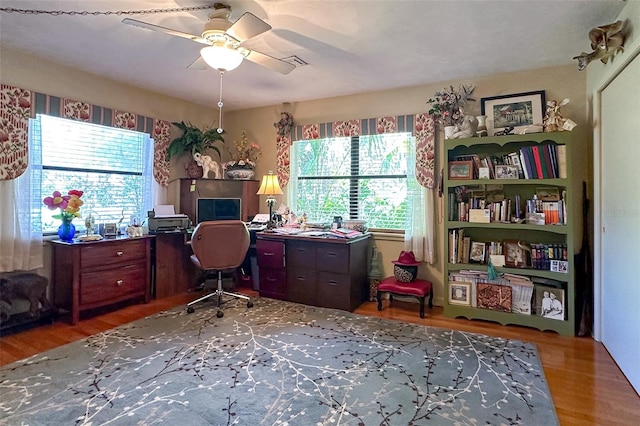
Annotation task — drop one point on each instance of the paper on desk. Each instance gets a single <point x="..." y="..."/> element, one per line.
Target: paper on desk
<point x="165" y="210"/>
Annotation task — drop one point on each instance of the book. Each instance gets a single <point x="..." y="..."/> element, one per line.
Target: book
<point x="494" y="296"/>
<point x="538" y="157"/>
<point x="529" y="161"/>
<point x="525" y="167"/>
<point x="547" y="160"/>
<point x="466" y="248"/>
<point x="561" y="151"/>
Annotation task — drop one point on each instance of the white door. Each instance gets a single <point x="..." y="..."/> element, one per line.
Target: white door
<point x="620" y="215"/>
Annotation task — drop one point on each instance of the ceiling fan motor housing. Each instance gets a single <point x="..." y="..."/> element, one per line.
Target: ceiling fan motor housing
<point x="215" y="28"/>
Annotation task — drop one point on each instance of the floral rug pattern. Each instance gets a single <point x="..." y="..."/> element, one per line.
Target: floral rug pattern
<point x="278" y="363"/>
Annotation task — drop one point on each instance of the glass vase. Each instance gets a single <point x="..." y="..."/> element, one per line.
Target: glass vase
<point x="66" y="231"/>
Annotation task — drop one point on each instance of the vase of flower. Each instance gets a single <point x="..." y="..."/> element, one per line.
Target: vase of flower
<point x="69" y="206"/>
<point x="67" y="230"/>
<point x="243" y="159"/>
<point x="446" y="107"/>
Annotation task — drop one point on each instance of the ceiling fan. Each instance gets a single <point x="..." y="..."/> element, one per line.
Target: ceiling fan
<point x="224" y="39"/>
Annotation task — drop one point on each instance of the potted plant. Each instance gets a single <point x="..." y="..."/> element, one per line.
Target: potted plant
<point x="243" y="160"/>
<point x="193" y="140"/>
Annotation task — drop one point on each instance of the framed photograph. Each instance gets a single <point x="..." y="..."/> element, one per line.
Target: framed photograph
<point x="506" y="172"/>
<point x="561" y="266"/>
<point x="460" y="169"/>
<point x="460" y="293"/>
<point x="546" y="193"/>
<point x="550" y="302"/>
<point x="477" y="252"/>
<point x="110" y="229"/>
<point x="515" y="254"/>
<point x="518" y="111"/>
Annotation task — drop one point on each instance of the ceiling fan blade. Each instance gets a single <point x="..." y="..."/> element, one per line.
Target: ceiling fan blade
<point x="248" y="26"/>
<point x="153" y="27"/>
<point x="270" y="62"/>
<point x="198" y="65"/>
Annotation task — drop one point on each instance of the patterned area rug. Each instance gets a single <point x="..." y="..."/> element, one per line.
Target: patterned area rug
<point x="278" y="363"/>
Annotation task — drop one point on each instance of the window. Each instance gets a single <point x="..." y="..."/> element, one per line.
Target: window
<point x="360" y="177"/>
<point x="112" y="166"/>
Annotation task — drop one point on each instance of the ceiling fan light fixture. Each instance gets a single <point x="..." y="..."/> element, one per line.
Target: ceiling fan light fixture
<point x="221" y="58"/>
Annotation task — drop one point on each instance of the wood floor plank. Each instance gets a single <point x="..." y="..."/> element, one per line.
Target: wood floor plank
<point x="587" y="386"/>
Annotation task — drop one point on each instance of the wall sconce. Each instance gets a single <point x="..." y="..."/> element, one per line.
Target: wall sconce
<point x="270" y="187"/>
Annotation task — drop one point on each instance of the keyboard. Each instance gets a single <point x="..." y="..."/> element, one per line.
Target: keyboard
<point x="256" y="226"/>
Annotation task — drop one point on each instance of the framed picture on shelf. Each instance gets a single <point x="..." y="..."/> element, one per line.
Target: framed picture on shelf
<point x="460" y="169"/>
<point x="507" y="172"/>
<point x="460" y="293"/>
<point x="518" y="111"/>
<point x="477" y="252"/>
<point x="546" y="193"/>
<point x="550" y="302"/>
<point x="516" y="254"/>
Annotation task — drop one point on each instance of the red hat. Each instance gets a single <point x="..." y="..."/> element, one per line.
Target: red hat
<point x="406" y="258"/>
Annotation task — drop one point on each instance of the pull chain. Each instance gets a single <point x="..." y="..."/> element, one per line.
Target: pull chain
<point x="220" y="106"/>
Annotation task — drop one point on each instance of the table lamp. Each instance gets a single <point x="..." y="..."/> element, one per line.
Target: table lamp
<point x="270" y="187"/>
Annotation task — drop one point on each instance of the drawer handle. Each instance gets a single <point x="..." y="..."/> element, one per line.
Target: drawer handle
<point x="333" y="282"/>
<point x="119" y="253"/>
<point x="302" y="278"/>
<point x="119" y="282"/>
<point x="266" y="253"/>
<point x="330" y="253"/>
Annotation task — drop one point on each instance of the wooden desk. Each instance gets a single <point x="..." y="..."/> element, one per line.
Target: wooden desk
<point x="324" y="272"/>
<point x="174" y="271"/>
<point x="93" y="274"/>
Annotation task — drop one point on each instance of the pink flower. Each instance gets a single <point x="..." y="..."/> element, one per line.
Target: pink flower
<point x="57" y="201"/>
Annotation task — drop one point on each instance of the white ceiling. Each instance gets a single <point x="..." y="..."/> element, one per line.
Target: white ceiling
<point x="351" y="46"/>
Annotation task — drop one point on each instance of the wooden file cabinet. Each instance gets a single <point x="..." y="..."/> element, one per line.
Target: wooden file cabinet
<point x="330" y="273"/>
<point x="273" y="275"/>
<point x="100" y="273"/>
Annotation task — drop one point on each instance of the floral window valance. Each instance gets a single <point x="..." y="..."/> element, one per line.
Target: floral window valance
<point x="18" y="105"/>
<point x="421" y="125"/>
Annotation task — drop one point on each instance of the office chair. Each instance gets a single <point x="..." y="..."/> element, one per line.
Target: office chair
<point x="217" y="246"/>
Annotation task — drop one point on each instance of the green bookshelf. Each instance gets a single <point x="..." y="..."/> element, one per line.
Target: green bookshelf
<point x="558" y="235"/>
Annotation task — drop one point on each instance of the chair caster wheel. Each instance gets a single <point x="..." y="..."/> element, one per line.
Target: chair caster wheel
<point x="190" y="309"/>
<point x="220" y="314"/>
<point x="249" y="304"/>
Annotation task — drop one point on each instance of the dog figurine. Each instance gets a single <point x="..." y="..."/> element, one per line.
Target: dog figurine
<point x="29" y="286"/>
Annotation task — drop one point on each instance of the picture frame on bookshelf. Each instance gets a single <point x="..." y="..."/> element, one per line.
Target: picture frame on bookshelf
<point x="477" y="254"/>
<point x="460" y="293"/>
<point x="461" y="169"/>
<point x="518" y="110"/>
<point x="550" y="302"/>
<point x="561" y="266"/>
<point x="506" y="172"/>
<point x="548" y="193"/>
<point x="515" y="254"/>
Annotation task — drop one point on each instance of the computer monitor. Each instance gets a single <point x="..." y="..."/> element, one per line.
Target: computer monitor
<point x="218" y="209"/>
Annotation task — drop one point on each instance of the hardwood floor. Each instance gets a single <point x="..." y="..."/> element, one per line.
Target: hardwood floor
<point x="586" y="385"/>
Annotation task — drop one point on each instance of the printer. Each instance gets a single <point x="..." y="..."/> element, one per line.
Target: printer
<point x="170" y="222"/>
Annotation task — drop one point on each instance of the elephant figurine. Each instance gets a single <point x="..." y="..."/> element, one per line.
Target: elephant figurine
<point x="207" y="165"/>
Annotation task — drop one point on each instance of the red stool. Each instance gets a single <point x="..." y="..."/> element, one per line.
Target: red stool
<point x="417" y="288"/>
